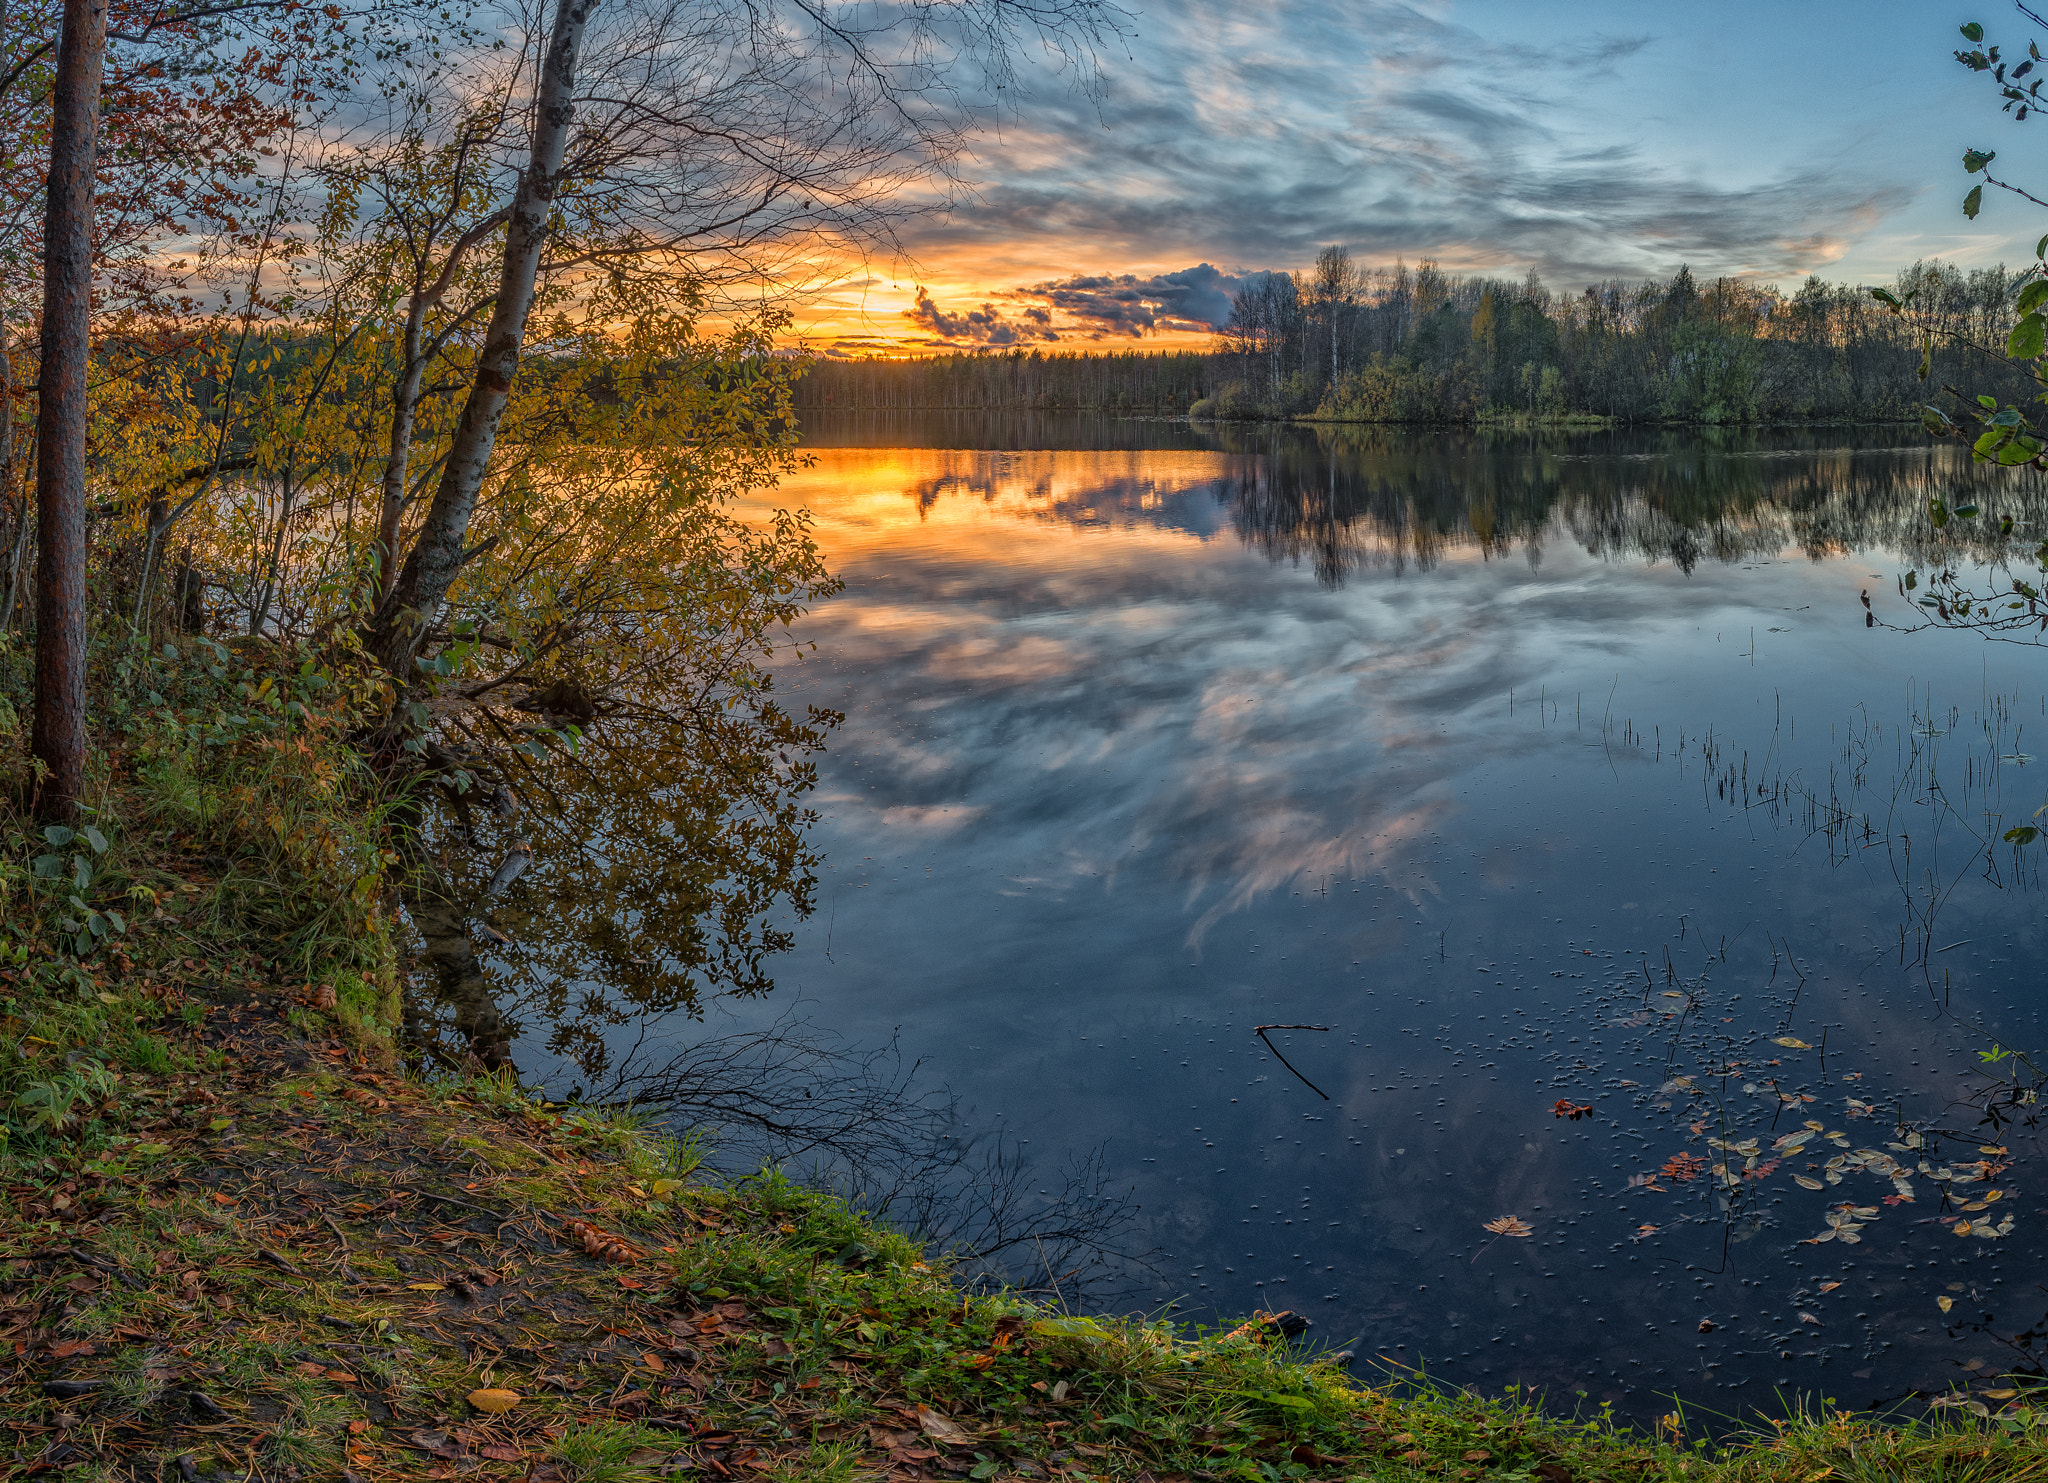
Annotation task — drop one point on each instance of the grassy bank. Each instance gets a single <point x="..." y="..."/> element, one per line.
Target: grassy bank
<point x="241" y="1240"/>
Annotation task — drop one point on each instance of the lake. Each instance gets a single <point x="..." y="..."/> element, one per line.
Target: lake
<point x="1648" y="897"/>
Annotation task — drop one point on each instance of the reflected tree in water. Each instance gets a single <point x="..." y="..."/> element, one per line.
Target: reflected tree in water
<point x="670" y="862"/>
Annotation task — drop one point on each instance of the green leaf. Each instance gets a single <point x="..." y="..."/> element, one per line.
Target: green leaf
<point x="81" y="873"/>
<point x="2028" y="338"/>
<point x="1885" y="296"/>
<point x="1973" y="201"/>
<point x="1926" y="356"/>
<point x="93" y="837"/>
<point x="2033" y="296"/>
<point x="151" y="1150"/>
<point x="1987" y="402"/>
<point x="2018" y="451"/>
<point x="1966" y="512"/>
<point x="58" y="836"/>
<point x="1973" y="32"/>
<point x="1976" y="159"/>
<point x="47" y="866"/>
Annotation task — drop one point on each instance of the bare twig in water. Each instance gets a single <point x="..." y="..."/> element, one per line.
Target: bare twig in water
<point x="1261" y="1030"/>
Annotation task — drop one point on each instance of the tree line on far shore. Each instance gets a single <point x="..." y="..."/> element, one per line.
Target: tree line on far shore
<point x="1423" y="346"/>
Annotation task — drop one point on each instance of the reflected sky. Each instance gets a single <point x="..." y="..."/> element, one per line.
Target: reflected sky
<point x="1587" y="784"/>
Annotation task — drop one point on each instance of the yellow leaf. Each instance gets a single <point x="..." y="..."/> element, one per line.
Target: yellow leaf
<point x="494" y="1402"/>
<point x="1944" y="1303"/>
<point x="423" y="1287"/>
<point x="666" y="1186"/>
<point x="1792" y="1042"/>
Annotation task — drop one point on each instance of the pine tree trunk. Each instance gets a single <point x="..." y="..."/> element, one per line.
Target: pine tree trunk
<point x="58" y="737"/>
<point x="410" y="608"/>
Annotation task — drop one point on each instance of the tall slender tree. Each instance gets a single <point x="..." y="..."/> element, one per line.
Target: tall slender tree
<point x="58" y="739"/>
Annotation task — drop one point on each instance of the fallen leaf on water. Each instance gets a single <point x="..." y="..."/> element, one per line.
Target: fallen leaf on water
<point x="1646" y="1230"/>
<point x="1805" y="1183"/>
<point x="1809" y="1318"/>
<point x="1707" y="1325"/>
<point x="1944" y="1304"/>
<point x="1508" y="1225"/>
<point x="1829" y="1286"/>
<point x="1791" y="1042"/>
<point x="494" y="1402"/>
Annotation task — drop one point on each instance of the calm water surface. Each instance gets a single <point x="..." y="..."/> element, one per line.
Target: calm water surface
<point x="1548" y="775"/>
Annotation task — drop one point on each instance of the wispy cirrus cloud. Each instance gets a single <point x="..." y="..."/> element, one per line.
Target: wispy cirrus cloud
<point x="1242" y="139"/>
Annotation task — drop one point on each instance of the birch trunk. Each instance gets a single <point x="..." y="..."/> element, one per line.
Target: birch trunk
<point x="402" y="619"/>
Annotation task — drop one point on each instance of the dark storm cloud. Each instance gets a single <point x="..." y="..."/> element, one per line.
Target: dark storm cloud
<point x="1256" y="141"/>
<point x="983" y="326"/>
<point x="1196" y="298"/>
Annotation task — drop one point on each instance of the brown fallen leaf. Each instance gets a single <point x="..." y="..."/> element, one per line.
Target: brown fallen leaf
<point x="66" y="1348"/>
<point x="939" y="1428"/>
<point x="653" y="1362"/>
<point x="499" y="1452"/>
<point x="438" y="1443"/>
<point x="494" y="1402"/>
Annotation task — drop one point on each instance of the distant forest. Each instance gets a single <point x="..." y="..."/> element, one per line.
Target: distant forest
<point x="1422" y="346"/>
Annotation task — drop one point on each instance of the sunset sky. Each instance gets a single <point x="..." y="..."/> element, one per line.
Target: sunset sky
<point x="1584" y="138"/>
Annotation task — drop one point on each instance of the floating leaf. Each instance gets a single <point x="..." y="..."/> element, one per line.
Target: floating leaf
<point x="1508" y="1225"/>
<point x="1792" y="1042"/>
<point x="494" y="1402"/>
<point x="1944" y="1303"/>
